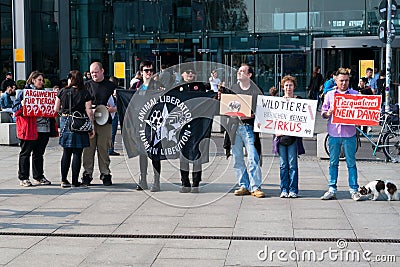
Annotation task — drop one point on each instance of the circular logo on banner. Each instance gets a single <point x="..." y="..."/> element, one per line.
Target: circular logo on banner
<point x="164" y="123"/>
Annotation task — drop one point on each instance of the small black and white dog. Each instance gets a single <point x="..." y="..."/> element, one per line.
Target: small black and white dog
<point x="377" y="187"/>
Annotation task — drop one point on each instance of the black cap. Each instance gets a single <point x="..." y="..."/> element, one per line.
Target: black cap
<point x="9" y="73"/>
<point x="187" y="69"/>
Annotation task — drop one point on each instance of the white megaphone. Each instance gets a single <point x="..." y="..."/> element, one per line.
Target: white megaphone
<point x="101" y="114"/>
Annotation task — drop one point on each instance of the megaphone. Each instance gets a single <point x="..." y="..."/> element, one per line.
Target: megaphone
<point x="101" y="114"/>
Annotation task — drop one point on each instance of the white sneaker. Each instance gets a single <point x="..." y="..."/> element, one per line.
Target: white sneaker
<point x="328" y="195"/>
<point x="292" y="195"/>
<point x="355" y="196"/>
<point x="25" y="183"/>
<point x="284" y="195"/>
<point x="42" y="181"/>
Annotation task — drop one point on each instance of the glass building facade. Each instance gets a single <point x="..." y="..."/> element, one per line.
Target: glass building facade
<point x="278" y="37"/>
<point x="6" y="44"/>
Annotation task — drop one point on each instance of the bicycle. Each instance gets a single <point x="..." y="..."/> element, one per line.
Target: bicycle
<point x="387" y="140"/>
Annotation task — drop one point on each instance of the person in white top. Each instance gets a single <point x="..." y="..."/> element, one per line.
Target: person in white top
<point x="214" y="80"/>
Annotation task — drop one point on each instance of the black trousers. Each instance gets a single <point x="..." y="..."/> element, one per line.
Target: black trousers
<point x="76" y="154"/>
<point x="196" y="172"/>
<point x="37" y="149"/>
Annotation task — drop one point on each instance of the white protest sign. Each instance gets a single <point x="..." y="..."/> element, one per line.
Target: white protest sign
<point x="287" y="116"/>
<point x="39" y="103"/>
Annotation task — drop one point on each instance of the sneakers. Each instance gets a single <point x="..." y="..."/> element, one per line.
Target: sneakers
<point x="79" y="186"/>
<point x="25" y="183"/>
<point x="195" y="189"/>
<point x="185" y="189"/>
<point x="155" y="188"/>
<point x="258" y="193"/>
<point x="292" y="195"/>
<point x="106" y="178"/>
<point x="65" y="184"/>
<point x="42" y="181"/>
<point x="242" y="192"/>
<point x="328" y="195"/>
<point x="284" y="195"/>
<point x="355" y="196"/>
<point x="113" y="153"/>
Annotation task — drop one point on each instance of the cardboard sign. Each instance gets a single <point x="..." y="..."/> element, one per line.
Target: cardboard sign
<point x="235" y="105"/>
<point x="287" y="116"/>
<point x="357" y="109"/>
<point x="39" y="103"/>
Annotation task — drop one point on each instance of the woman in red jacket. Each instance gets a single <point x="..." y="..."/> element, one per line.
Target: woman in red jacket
<point x="34" y="133"/>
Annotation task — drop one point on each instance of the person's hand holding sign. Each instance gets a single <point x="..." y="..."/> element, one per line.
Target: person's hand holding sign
<point x="328" y="113"/>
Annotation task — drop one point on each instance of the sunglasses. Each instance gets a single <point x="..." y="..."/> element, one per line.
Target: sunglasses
<point x="190" y="71"/>
<point x="148" y="70"/>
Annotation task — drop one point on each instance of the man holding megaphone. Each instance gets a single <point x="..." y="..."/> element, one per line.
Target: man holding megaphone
<point x="101" y="91"/>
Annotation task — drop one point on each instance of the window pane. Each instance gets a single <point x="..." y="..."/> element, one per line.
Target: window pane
<point x="281" y="15"/>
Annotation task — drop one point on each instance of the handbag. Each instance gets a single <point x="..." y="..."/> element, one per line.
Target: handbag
<point x="79" y="122"/>
<point x="287" y="140"/>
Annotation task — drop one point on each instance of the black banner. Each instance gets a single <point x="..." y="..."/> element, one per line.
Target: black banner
<point x="167" y="125"/>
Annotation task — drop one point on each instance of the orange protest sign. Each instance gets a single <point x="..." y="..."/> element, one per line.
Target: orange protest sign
<point x="357" y="109"/>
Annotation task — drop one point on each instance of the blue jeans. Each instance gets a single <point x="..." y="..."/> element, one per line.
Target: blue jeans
<point x="349" y="146"/>
<point x="250" y="179"/>
<point x="114" y="132"/>
<point x="289" y="171"/>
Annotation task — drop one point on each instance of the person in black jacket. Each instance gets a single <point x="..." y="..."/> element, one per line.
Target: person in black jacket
<point x="190" y="84"/>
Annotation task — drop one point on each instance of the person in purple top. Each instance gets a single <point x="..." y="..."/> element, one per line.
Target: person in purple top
<point x="340" y="135"/>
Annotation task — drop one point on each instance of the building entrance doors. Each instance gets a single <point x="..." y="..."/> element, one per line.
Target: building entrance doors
<point x="269" y="68"/>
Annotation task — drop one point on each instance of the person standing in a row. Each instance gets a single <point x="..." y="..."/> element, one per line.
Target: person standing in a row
<point x="190" y="84"/>
<point x="101" y="90"/>
<point x="34" y="133"/>
<point x="73" y="98"/>
<point x="289" y="148"/>
<point x="249" y="179"/>
<point x="340" y="135"/>
<point x="149" y="84"/>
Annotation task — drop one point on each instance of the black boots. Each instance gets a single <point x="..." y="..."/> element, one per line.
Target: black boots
<point x="86" y="178"/>
<point x="106" y="178"/>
